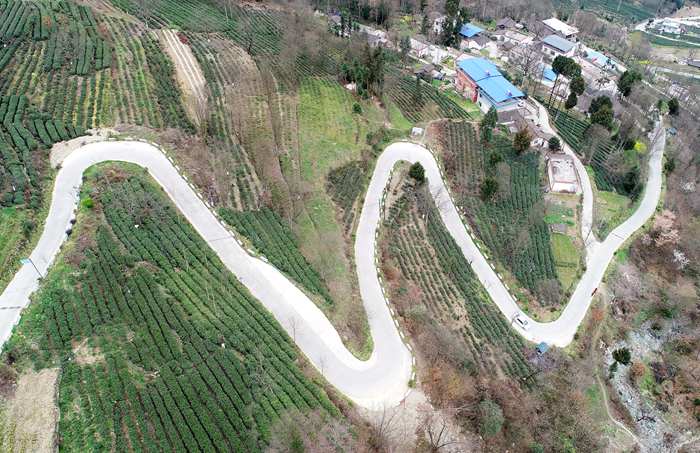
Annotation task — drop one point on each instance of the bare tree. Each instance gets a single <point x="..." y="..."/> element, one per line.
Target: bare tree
<point x="594" y="136"/>
<point x="295" y="324"/>
<point x="527" y="59"/>
<point x="246" y="29"/>
<point x="436" y="428"/>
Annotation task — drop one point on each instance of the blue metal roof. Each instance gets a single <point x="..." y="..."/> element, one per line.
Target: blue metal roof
<point x="469" y="30"/>
<point x="559" y="43"/>
<point x="489" y="80"/>
<point x="542" y="347"/>
<point x="599" y="59"/>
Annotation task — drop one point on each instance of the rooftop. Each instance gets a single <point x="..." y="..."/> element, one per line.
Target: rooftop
<point x="559" y="43"/>
<point x="481" y="40"/>
<point x="469" y="30"/>
<point x="489" y="79"/>
<point x="557" y="25"/>
<point x="559" y="228"/>
<point x="563" y="168"/>
<point x="506" y="22"/>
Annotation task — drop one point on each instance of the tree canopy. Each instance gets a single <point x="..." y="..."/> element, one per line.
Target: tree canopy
<point x="489" y="188"/>
<point x="417" y="172"/>
<point x="603" y="116"/>
<point x="674" y="106"/>
<point x="599" y="102"/>
<point x="522" y="141"/>
<point x="490" y="417"/>
<point x="554" y="143"/>
<point x="627" y="81"/>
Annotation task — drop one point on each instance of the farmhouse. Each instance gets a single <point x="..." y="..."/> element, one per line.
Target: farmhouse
<point x="516" y="37"/>
<point x="557" y="27"/>
<point x="671" y="26"/>
<point x="506" y="23"/>
<point x="481" y="82"/>
<point x="436" y="20"/>
<point x="477" y="42"/>
<point x="540" y="138"/>
<point x="562" y="173"/>
<point x="555" y="45"/>
<point x="419" y="46"/>
<point x="469" y="31"/>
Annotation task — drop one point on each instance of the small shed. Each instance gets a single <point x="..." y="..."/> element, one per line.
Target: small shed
<point x="559" y="228"/>
<point x="417" y="131"/>
<point x="542" y="348"/>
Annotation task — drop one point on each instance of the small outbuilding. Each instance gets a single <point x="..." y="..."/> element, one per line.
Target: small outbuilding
<point x="562" y="173"/>
<point x="542" y="348"/>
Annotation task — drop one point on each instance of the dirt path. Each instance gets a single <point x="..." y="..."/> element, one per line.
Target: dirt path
<point x="29" y="418"/>
<point x="604" y="295"/>
<point x="187" y="70"/>
<point x="60" y="150"/>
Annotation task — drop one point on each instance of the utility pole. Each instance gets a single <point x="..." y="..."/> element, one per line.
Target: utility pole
<point x="28" y="261"/>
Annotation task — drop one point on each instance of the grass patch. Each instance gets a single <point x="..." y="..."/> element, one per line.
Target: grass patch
<point x="470" y="107"/>
<point x="327" y="129"/>
<point x="612" y="210"/>
<point x="398" y="120"/>
<point x="566" y="256"/>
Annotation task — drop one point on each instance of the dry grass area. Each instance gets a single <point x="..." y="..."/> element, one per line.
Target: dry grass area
<point x="30" y="416"/>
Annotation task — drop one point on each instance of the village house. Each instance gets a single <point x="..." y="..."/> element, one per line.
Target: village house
<point x="562" y="173"/>
<point x="540" y="138"/>
<point x="554" y="45"/>
<point x="671" y="26"/>
<point x="436" y="20"/>
<point x="559" y="28"/>
<point x="470" y="34"/>
<point x="419" y="46"/>
<point x="505" y="23"/>
<point x="483" y="84"/>
<point x="516" y="37"/>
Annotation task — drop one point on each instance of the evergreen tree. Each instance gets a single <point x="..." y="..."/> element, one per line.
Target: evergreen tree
<point x="424" y="25"/>
<point x="522" y="141"/>
<point x="674" y="106"/>
<point x="417" y="172"/>
<point x="490" y="417"/>
<point x="417" y="94"/>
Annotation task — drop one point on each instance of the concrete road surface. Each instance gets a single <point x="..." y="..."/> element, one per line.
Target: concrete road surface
<point x="383" y="378"/>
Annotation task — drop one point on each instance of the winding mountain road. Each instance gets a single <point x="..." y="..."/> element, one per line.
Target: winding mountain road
<point x="383" y="378"/>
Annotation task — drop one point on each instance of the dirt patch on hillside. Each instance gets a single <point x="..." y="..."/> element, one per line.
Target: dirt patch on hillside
<point x="187" y="71"/>
<point x="30" y="417"/>
<point x="61" y="150"/>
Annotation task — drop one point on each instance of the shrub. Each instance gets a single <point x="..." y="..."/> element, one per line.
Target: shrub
<point x="622" y="355"/>
<point x="88" y="203"/>
<point x="554" y="143"/>
<point x="28" y="228"/>
<point x="674" y="106"/>
<point x="417" y="172"/>
<point x="495" y="158"/>
<point x="490" y="418"/>
<point x="489" y="187"/>
<point x="356" y="108"/>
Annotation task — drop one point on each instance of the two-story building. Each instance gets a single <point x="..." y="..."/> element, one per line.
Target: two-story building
<point x="482" y="83"/>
